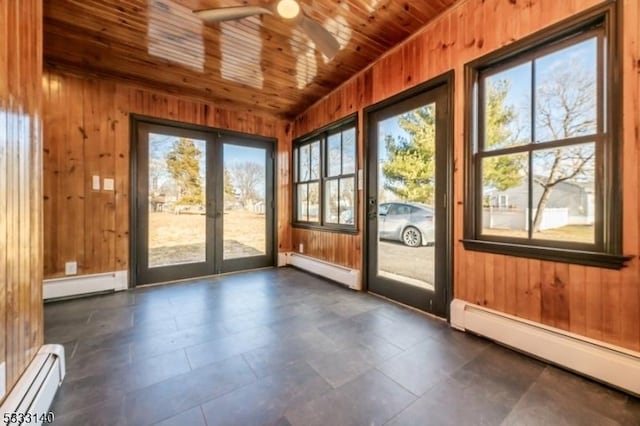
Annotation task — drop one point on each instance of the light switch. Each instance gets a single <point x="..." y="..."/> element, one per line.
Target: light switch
<point x="95" y="185"/>
<point x="108" y="184"/>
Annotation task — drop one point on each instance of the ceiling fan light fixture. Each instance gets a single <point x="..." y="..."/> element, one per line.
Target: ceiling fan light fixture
<point x="288" y="9"/>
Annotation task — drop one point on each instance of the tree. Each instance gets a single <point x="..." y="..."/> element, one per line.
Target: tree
<point x="229" y="190"/>
<point x="156" y="170"/>
<point x="565" y="109"/>
<point x="183" y="164"/>
<point x="246" y="177"/>
<point x="410" y="169"/>
<point x="502" y="172"/>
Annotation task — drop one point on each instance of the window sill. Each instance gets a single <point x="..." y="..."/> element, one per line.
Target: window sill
<point x="578" y="257"/>
<point x="352" y="230"/>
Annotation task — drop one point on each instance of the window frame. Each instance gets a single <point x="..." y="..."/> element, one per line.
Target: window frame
<point x="606" y="251"/>
<point x="322" y="135"/>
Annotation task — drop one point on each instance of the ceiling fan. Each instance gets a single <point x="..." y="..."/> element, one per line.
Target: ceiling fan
<point x="286" y="9"/>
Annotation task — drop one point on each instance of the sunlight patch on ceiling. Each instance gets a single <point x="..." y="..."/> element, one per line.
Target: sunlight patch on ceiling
<point x="371" y="5"/>
<point x="174" y="33"/>
<point x="305" y="53"/>
<point x="245" y="68"/>
<point x="339" y="27"/>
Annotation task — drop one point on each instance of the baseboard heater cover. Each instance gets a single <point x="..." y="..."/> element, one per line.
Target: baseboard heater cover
<point x="38" y="385"/>
<point x="85" y="284"/>
<point x="600" y="361"/>
<point x="340" y="274"/>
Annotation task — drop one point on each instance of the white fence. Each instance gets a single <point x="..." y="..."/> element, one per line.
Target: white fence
<point x="504" y="218"/>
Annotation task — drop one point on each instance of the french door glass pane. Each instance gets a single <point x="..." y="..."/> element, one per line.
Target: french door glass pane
<point x="177" y="200"/>
<point x="245" y="187"/>
<point x="406" y="185"/>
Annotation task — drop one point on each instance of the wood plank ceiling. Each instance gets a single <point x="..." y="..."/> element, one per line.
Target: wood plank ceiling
<point x="261" y="63"/>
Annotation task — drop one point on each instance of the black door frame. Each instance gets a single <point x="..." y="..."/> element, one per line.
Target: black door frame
<point x="446" y="80"/>
<point x="215" y="140"/>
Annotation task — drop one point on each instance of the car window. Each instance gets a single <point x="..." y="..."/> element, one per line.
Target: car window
<point x="421" y="211"/>
<point x="399" y="209"/>
<point x="384" y="208"/>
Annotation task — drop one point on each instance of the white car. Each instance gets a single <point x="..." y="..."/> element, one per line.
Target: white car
<point x="411" y="223"/>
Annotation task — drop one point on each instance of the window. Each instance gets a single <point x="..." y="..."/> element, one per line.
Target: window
<point x="542" y="152"/>
<point x="325" y="178"/>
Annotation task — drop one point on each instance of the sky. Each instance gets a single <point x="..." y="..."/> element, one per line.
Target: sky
<point x="519" y="96"/>
<point x="160" y="145"/>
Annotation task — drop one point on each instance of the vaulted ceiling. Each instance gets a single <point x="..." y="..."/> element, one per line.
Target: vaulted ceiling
<point x="260" y="63"/>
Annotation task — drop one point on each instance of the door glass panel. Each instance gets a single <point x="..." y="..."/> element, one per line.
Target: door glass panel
<point x="177" y="200"/>
<point x="245" y="187"/>
<point x="406" y="189"/>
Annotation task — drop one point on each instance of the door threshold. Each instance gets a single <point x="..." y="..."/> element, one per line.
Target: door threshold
<point x="412" y="308"/>
<point x="203" y="277"/>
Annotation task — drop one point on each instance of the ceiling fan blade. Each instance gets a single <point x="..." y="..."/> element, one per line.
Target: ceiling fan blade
<point x="323" y="39"/>
<point x="230" y="13"/>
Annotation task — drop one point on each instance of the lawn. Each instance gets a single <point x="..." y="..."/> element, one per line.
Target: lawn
<point x="176" y="239"/>
<point x="569" y="233"/>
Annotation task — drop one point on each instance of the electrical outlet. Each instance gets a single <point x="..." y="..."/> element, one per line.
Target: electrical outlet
<point x="301" y="248"/>
<point x="71" y="268"/>
<point x="95" y="183"/>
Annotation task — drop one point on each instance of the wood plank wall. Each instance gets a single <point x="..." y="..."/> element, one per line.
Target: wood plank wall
<point x="21" y="317"/>
<point x="86" y="133"/>
<point x="600" y="304"/>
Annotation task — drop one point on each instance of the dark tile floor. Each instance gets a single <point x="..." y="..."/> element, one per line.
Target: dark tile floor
<point x="282" y="347"/>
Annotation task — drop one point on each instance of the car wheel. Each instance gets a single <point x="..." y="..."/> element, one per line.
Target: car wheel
<point x="411" y="237"/>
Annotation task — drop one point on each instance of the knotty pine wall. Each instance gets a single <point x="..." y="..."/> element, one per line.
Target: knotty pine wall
<point x="86" y="133"/>
<point x="601" y="304"/>
<point x="21" y="318"/>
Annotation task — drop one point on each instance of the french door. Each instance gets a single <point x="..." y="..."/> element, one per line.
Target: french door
<point x="203" y="202"/>
<point x="409" y="177"/>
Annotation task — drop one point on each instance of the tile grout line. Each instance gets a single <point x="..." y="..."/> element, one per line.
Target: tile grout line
<point x="533" y="383"/>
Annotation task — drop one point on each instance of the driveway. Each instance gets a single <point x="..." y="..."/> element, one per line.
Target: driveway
<point x="398" y="261"/>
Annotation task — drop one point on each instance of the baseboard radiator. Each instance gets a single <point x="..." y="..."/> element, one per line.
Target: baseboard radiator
<point x="343" y="275"/>
<point x="600" y="361"/>
<point x="85" y="284"/>
<point x="36" y="388"/>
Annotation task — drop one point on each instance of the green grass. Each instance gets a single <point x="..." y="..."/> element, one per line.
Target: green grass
<point x="569" y="233"/>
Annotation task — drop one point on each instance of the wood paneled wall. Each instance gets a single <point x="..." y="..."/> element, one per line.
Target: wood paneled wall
<point x="601" y="304"/>
<point x="21" y="318"/>
<point x="86" y="133"/>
